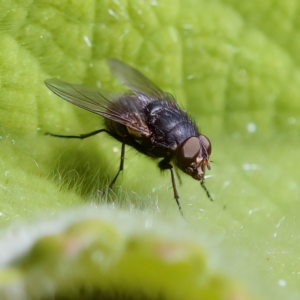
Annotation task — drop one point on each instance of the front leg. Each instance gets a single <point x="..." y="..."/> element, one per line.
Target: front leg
<point x="164" y="165"/>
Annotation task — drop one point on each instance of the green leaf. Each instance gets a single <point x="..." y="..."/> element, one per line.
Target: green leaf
<point x="234" y="65"/>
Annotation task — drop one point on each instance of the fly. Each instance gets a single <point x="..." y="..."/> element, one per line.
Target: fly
<point x="147" y="119"/>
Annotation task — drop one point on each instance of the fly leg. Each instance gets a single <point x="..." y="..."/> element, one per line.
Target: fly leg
<point x="206" y="190"/>
<point x="178" y="176"/>
<point x="164" y="165"/>
<point x="121" y="164"/>
<point x="80" y="136"/>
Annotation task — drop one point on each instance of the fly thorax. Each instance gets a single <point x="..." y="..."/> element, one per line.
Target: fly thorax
<point x="153" y="110"/>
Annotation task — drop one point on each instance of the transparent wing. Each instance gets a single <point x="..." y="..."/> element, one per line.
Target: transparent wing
<point x="99" y="102"/>
<point x="133" y="79"/>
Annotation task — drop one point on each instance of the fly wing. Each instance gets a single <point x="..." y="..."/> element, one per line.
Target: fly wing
<point x="134" y="80"/>
<point x="100" y="102"/>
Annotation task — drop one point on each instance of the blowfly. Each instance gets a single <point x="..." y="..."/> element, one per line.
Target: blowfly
<point x="147" y="119"/>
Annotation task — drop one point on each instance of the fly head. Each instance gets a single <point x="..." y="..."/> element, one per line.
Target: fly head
<point x="192" y="156"/>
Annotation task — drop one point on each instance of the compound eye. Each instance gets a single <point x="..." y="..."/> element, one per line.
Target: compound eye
<point x="188" y="151"/>
<point x="205" y="142"/>
<point x="190" y="148"/>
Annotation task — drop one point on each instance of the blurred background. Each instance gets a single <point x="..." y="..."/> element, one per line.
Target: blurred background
<point x="234" y="66"/>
